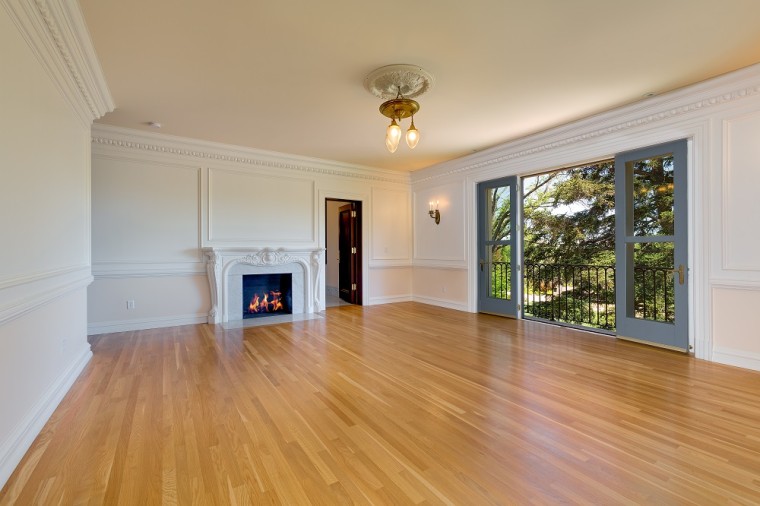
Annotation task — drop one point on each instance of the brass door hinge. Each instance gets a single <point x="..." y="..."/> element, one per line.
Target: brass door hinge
<point x="353" y="287"/>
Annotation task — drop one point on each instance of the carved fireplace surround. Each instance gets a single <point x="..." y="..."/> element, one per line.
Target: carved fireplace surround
<point x="225" y="266"/>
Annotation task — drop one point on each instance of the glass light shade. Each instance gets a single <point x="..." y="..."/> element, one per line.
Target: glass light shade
<point x="392" y="136"/>
<point x="412" y="136"/>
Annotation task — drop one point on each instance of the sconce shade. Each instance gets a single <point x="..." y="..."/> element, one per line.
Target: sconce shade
<point x="412" y="136"/>
<point x="435" y="213"/>
<point x="392" y="136"/>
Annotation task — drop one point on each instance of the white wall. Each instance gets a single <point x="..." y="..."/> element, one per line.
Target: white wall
<point x="721" y="119"/>
<point x="44" y="214"/>
<point x="158" y="199"/>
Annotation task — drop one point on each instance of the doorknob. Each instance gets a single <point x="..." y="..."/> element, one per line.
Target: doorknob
<point x="681" y="274"/>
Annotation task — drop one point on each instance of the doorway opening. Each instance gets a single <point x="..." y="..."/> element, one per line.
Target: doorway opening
<point x="600" y="246"/>
<point x="343" y="255"/>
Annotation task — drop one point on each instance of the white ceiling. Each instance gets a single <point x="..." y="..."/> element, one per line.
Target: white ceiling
<point x="288" y="75"/>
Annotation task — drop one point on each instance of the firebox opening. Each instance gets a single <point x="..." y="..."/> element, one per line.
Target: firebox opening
<point x="267" y="294"/>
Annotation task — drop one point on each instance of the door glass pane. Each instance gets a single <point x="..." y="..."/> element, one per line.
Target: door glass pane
<point x="654" y="282"/>
<point x="653" y="195"/>
<point x="499" y="272"/>
<point x="497" y="211"/>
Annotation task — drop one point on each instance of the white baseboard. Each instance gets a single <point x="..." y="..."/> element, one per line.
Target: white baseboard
<point x="738" y="358"/>
<point x="434" y="301"/>
<point x="145" y="324"/>
<point x="373" y="301"/>
<point x="18" y="442"/>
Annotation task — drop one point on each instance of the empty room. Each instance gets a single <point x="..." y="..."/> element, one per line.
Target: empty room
<point x="428" y="252"/>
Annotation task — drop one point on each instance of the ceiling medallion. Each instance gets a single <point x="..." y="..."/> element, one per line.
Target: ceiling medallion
<point x="397" y="85"/>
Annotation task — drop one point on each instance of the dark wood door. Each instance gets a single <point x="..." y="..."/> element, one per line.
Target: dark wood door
<point x="349" y="242"/>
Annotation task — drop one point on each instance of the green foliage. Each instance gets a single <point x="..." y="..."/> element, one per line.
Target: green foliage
<point x="569" y="215"/>
<point x="569" y="234"/>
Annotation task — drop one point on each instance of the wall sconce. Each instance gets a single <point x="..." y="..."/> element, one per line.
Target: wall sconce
<point x="434" y="212"/>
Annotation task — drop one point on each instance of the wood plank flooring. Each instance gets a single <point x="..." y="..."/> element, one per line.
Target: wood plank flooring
<point x="395" y="404"/>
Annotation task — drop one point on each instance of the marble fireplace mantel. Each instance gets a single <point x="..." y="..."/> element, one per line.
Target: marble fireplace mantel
<point x="221" y="262"/>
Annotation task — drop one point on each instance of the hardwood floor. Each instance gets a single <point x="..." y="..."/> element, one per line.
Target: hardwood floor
<point x="395" y="404"/>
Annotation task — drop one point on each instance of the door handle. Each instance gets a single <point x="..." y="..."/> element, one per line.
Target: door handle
<point x="482" y="263"/>
<point x="681" y="271"/>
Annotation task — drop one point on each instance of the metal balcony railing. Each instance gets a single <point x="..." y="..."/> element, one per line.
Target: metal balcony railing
<point x="577" y="294"/>
<point x="583" y="294"/>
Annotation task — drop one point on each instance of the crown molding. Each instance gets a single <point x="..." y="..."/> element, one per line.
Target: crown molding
<point x="693" y="100"/>
<point x="108" y="139"/>
<point x="56" y="32"/>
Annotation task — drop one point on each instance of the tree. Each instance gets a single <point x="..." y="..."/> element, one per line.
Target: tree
<point x="569" y="242"/>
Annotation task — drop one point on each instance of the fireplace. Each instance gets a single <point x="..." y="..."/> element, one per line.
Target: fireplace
<point x="267" y="295"/>
<point x="226" y="268"/>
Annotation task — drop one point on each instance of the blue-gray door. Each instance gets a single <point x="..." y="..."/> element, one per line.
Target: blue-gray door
<point x="651" y="245"/>
<point x="499" y="279"/>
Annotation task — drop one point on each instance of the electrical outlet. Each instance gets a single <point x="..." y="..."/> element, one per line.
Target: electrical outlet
<point x="131" y="304"/>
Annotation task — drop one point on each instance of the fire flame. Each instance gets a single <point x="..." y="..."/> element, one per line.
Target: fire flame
<point x="265" y="304"/>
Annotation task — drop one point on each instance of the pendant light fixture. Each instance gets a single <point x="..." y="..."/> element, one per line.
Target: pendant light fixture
<point x="397" y="85"/>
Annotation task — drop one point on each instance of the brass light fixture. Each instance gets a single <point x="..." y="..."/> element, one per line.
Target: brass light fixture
<point x="397" y="109"/>
<point x="435" y="213"/>
<point x="397" y="85"/>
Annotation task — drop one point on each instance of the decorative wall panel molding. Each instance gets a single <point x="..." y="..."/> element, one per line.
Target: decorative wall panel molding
<point x="391" y="223"/>
<point x="24" y="294"/>
<point x="444" y="242"/>
<point x="121" y="270"/>
<point x="56" y="32"/>
<point x="105" y="137"/>
<point x="735" y="284"/>
<point x="247" y="208"/>
<point x="740" y="182"/>
<point x="438" y="264"/>
<point x="145" y="211"/>
<point x="389" y="264"/>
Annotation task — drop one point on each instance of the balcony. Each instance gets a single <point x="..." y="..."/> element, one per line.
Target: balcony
<point x="584" y="295"/>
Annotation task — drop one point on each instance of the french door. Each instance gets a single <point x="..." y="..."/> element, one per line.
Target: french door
<point x="651" y="245"/>
<point x="499" y="277"/>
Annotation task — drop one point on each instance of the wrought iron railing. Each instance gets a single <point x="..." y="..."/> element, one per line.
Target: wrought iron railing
<point x="583" y="294"/>
<point x="654" y="293"/>
<point x="577" y="294"/>
<point x="501" y="280"/>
